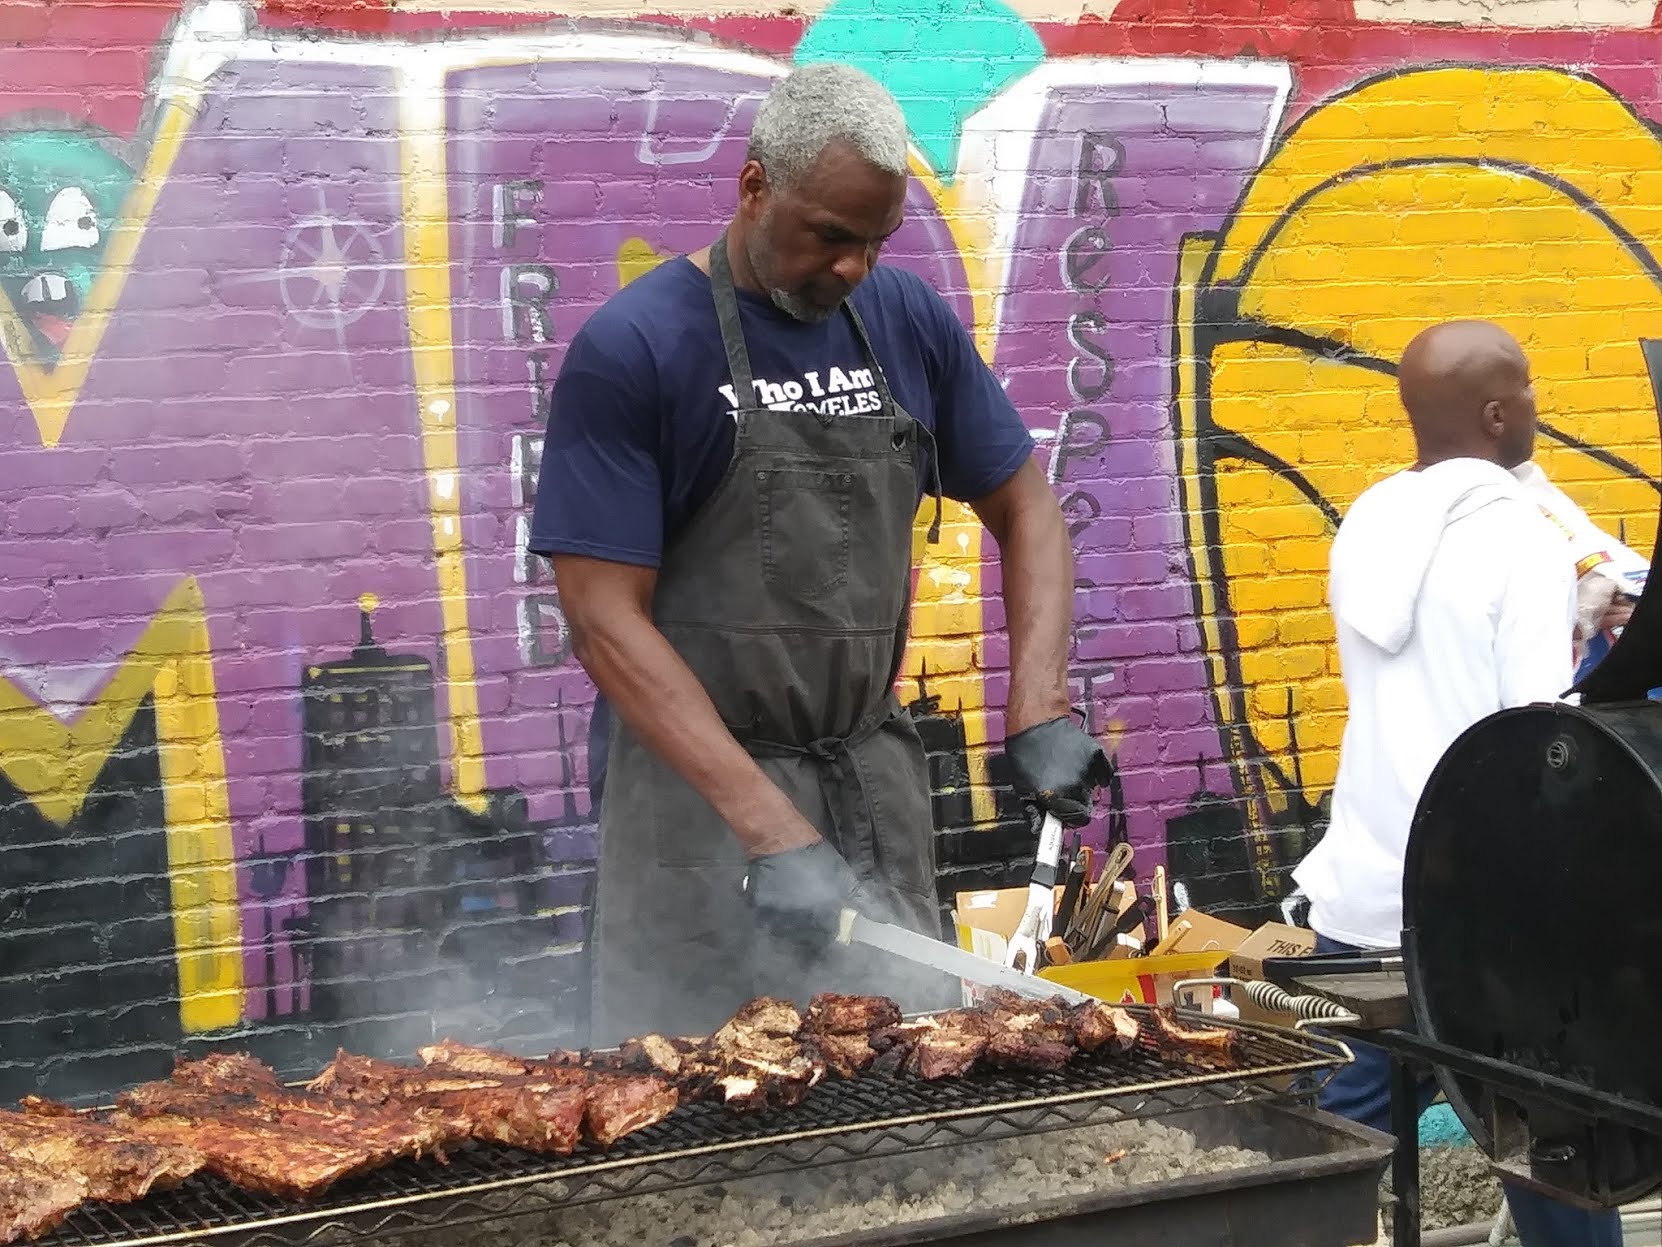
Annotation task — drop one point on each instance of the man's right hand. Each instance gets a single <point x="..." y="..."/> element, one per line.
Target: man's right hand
<point x="799" y="894"/>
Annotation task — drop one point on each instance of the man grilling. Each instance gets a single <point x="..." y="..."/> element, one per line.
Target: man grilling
<point x="1454" y="598"/>
<point x="736" y="573"/>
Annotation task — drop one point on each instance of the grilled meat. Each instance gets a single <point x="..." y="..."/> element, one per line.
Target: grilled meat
<point x="618" y="1104"/>
<point x="755" y="1061"/>
<point x="1214" y="1044"/>
<point x="231" y="1115"/>
<point x="951" y="1047"/>
<point x="839" y="1028"/>
<point x="240" y="1089"/>
<point x="40" y="1106"/>
<point x="455" y="1056"/>
<point x="537" y="1114"/>
<point x="844" y="1054"/>
<point x="1102" y="1027"/>
<point x="257" y="1133"/>
<point x="496" y="1096"/>
<point x="653" y="1054"/>
<point x="832" y="1014"/>
<point x="1009" y="1049"/>
<point x="118" y="1168"/>
<point x="767" y="1015"/>
<point x="228" y="1071"/>
<point x="34" y="1200"/>
<point x="615" y="1104"/>
<point x="1041" y="1021"/>
<point x="261" y="1157"/>
<point x="946" y="1045"/>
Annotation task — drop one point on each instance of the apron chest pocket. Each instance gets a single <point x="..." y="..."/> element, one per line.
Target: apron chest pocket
<point x="803" y="521"/>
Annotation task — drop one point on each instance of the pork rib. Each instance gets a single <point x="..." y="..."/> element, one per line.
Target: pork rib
<point x="117" y="1167"/>
<point x="34" y="1200"/>
<point x="614" y="1104"/>
<point x="265" y="1137"/>
<point x="1099" y="1027"/>
<point x="1216" y="1046"/>
<point x="544" y="1116"/>
<point x="264" y="1159"/>
<point x="832" y="1014"/>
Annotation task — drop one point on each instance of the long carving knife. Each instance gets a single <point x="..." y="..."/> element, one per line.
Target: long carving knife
<point x="939" y="955"/>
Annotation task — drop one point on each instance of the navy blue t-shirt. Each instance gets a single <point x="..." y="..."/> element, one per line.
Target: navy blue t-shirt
<point x="641" y="428"/>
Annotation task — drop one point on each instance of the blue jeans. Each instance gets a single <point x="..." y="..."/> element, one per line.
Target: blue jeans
<point x="1362" y="1093"/>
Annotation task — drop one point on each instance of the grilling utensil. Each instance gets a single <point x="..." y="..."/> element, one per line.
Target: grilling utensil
<point x="1035" y="925"/>
<point x="1090" y="916"/>
<point x="944" y="957"/>
<point x="1078" y="875"/>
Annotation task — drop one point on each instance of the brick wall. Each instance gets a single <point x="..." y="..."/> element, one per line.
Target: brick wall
<point x="292" y="745"/>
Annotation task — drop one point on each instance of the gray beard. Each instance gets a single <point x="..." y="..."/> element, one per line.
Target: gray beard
<point x="801" y="309"/>
<point x="792" y="305"/>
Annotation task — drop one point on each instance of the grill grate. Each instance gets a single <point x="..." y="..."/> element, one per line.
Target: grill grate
<point x="873" y="1115"/>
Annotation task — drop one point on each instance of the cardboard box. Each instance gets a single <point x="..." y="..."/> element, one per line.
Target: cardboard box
<point x="1139" y="980"/>
<point x="1273" y="939"/>
<point x="986" y="920"/>
<point x="1194" y="932"/>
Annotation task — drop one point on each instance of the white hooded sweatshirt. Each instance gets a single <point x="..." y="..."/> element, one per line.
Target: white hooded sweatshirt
<point x="1604" y="566"/>
<point x="1454" y="598"/>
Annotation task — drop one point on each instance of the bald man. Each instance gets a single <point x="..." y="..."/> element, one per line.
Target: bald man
<point x="1454" y="598"/>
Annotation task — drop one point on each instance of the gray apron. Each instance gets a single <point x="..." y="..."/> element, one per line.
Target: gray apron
<point x="787" y="594"/>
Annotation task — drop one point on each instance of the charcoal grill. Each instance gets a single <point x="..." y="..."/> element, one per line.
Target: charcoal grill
<point x="871" y="1116"/>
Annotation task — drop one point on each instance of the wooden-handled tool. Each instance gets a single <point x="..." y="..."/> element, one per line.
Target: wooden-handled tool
<point x="1162" y="917"/>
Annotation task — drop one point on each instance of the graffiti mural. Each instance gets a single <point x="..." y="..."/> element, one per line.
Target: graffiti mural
<point x="292" y="741"/>
<point x="1288" y="359"/>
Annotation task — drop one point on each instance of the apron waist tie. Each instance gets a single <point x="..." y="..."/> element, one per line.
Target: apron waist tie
<point x="837" y="766"/>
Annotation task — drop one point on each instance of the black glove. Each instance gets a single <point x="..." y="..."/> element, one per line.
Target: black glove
<point x="799" y="895"/>
<point x="1058" y="766"/>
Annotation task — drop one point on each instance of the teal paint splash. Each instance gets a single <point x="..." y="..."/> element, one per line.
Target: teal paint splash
<point x="942" y="60"/>
<point x="1439" y="1127"/>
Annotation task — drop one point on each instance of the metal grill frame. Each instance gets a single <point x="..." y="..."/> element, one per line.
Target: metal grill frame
<point x="485" y="1182"/>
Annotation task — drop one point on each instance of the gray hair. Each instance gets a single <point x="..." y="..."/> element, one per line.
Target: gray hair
<point x="817" y="105"/>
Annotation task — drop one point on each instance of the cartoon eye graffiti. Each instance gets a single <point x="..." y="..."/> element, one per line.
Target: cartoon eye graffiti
<point x="70" y="221"/>
<point x="14" y="231"/>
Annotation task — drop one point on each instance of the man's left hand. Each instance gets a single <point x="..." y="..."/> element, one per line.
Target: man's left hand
<point x="1058" y="766"/>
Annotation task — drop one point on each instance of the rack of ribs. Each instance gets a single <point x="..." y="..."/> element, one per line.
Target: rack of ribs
<point x="118" y="1167"/>
<point x="265" y="1137"/>
<point x="541" y="1106"/>
<point x="615" y="1104"/>
<point x="542" y="1117"/>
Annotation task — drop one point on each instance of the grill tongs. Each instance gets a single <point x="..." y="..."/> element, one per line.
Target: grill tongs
<point x="1037" y="919"/>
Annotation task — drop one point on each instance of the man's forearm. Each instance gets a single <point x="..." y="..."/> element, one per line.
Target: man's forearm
<point x="653" y="691"/>
<point x="1036" y="559"/>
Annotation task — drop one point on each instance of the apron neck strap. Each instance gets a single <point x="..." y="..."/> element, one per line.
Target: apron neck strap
<point x="744" y="388"/>
<point x="732" y="331"/>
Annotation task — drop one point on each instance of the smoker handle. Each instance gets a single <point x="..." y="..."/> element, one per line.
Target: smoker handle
<point x="1330" y="965"/>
